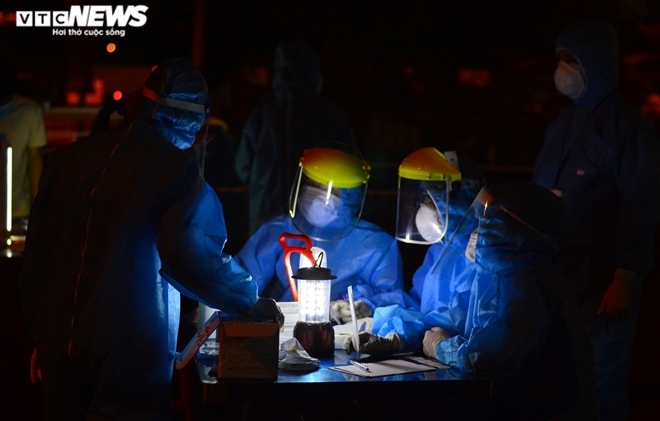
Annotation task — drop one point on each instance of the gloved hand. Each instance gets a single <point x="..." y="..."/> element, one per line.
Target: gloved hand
<point x="374" y="344"/>
<point x="267" y="308"/>
<point x="432" y="338"/>
<point x="617" y="301"/>
<point x="340" y="311"/>
<point x="35" y="370"/>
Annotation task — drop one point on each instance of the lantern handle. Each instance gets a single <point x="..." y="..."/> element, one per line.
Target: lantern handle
<point x="305" y="250"/>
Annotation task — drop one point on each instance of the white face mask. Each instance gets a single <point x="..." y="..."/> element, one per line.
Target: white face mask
<point x="314" y="207"/>
<point x="471" y="249"/>
<point x="568" y="80"/>
<point x="428" y="224"/>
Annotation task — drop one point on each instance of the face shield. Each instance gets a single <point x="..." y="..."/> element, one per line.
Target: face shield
<point x="328" y="193"/>
<point x="426" y="181"/>
<point x="500" y="227"/>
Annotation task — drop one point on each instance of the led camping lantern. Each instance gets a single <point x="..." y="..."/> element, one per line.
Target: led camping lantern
<point x="314" y="330"/>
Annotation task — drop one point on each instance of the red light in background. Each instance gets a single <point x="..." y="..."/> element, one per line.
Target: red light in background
<point x="95" y="98"/>
<point x="116" y="95"/>
<point x="7" y="18"/>
<point x="73" y="98"/>
<point x="479" y="78"/>
<point x="111" y="47"/>
<point x="653" y="100"/>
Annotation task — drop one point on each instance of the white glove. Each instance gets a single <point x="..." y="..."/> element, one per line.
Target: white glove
<point x="340" y="311"/>
<point x="374" y="344"/>
<point x="432" y="338"/>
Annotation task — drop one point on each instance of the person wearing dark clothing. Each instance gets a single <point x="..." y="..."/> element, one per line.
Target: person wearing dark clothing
<point x="122" y="223"/>
<point x="600" y="156"/>
<point x="279" y="130"/>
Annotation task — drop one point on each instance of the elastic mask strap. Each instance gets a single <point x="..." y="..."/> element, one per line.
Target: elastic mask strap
<point x="174" y="103"/>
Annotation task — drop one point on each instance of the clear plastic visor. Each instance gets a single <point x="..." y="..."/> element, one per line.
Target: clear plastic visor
<point x="324" y="212"/>
<point x="422" y="216"/>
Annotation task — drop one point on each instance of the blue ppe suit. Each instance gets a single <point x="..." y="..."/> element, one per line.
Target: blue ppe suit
<point x="122" y="223"/>
<point x="520" y="323"/>
<point x="603" y="156"/>
<point x="445" y="276"/>
<point x="367" y="258"/>
<point x="279" y="130"/>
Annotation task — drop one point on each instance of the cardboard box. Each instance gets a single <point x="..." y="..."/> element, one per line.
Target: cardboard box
<point x="248" y="348"/>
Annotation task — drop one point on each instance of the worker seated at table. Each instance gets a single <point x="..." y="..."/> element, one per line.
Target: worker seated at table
<point x="436" y="287"/>
<point x="520" y="321"/>
<point x="435" y="191"/>
<point x="326" y="204"/>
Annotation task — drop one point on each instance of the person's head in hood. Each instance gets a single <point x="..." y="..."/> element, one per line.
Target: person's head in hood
<point x="518" y="225"/>
<point x="176" y="96"/>
<point x="587" y="69"/>
<point x="297" y="68"/>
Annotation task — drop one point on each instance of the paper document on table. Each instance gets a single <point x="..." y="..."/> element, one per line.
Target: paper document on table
<point x="290" y="310"/>
<point x="385" y="368"/>
<point x="428" y="361"/>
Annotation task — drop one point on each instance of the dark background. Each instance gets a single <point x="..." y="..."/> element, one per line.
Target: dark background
<point x="472" y="76"/>
<point x="393" y="65"/>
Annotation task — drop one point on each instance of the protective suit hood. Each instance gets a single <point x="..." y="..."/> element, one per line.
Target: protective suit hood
<point x="594" y="44"/>
<point x="296" y="68"/>
<point x="519" y="227"/>
<point x="175" y="79"/>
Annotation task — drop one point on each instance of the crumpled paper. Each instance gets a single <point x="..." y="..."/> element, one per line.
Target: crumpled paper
<point x="292" y="356"/>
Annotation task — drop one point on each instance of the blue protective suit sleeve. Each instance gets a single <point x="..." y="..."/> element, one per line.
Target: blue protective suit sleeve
<point x="191" y="243"/>
<point x="410" y="325"/>
<point x="377" y="262"/>
<point x="261" y="254"/>
<point x="511" y="319"/>
<point x="419" y="277"/>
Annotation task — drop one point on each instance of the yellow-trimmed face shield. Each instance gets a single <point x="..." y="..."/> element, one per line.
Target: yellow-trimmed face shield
<point x="328" y="193"/>
<point x="425" y="180"/>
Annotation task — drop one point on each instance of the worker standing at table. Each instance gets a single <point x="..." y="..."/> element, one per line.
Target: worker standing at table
<point x="600" y="156"/>
<point x="278" y="130"/>
<point x="326" y="204"/>
<point x="123" y="222"/>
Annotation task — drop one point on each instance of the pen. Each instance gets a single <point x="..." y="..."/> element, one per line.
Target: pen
<point x="361" y="366"/>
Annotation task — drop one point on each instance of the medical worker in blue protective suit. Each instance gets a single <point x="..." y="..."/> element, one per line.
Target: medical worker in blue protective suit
<point x="520" y="323"/>
<point x="601" y="158"/>
<point x="326" y="203"/>
<point x="279" y="130"/>
<point x="123" y="222"/>
<point x="439" y="287"/>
